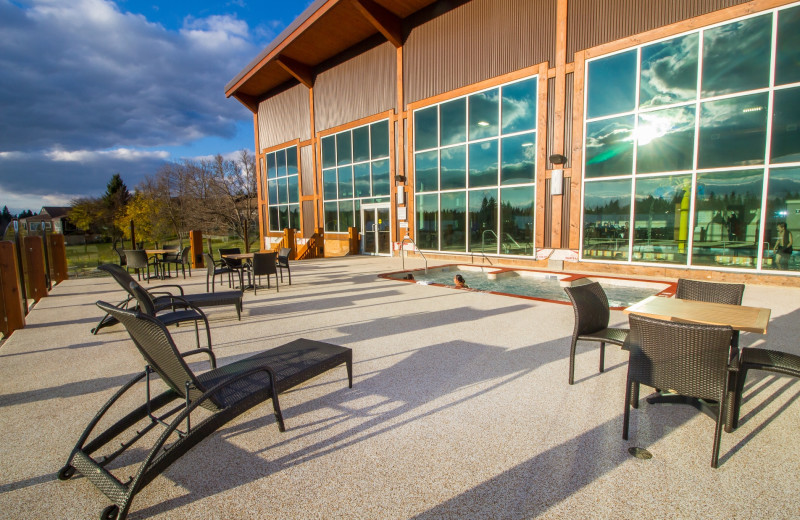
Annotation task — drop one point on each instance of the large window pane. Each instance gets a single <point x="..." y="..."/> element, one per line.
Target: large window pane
<point x="280" y="158"/>
<point x="733" y="131"/>
<point x="294" y="188"/>
<point x="609" y="147"/>
<point x="519" y="106"/>
<point x="331" y="210"/>
<point x="787" y="60"/>
<point x="426" y="123"/>
<point x="361" y="180"/>
<point x="454" y="221"/>
<point x="661" y="219"/>
<point x="606" y="219"/>
<point x="454" y="168"/>
<point x="727" y="215"/>
<point x="346" y="215"/>
<point x="665" y="140"/>
<point x="329" y="185"/>
<point x="284" y="216"/>
<point x="518" y="159"/>
<point x="380" y="139"/>
<point x="483" y="220"/>
<point x="612" y="85"/>
<point x="516" y="220"/>
<point x="291" y="161"/>
<point x="344" y="153"/>
<point x="669" y="72"/>
<point x="483" y="114"/>
<point x="783" y="206"/>
<point x="785" y="120"/>
<point x="426" y="171"/>
<point x="345" y="182"/>
<point x="283" y="190"/>
<point x="273" y="192"/>
<point x="294" y="216"/>
<point x="483" y="164"/>
<point x="736" y="56"/>
<point x="272" y="168"/>
<point x="380" y="178"/>
<point x="329" y="151"/>
<point x="453" y="120"/>
<point x="428" y="221"/>
<point x="274" y="219"/>
<point x="361" y="144"/>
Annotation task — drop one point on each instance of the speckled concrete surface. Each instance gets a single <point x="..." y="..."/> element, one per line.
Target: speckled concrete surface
<point x="460" y="409"/>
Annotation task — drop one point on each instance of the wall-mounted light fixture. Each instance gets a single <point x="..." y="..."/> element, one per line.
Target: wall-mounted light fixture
<point x="399" y="178"/>
<point x="557" y="158"/>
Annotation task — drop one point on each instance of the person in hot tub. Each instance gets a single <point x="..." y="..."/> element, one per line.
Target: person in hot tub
<point x="459" y="281"/>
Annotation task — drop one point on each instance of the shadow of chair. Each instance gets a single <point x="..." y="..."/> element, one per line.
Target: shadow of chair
<point x="592" y="315"/>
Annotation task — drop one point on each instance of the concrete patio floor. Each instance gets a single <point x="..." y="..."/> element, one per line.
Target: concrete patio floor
<point x="460" y="408"/>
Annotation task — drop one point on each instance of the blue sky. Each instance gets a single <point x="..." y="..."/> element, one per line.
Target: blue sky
<point x="89" y="88"/>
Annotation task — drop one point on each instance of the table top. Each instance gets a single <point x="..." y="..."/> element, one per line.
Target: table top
<point x="159" y="251"/>
<point x="239" y="256"/>
<point x="739" y="317"/>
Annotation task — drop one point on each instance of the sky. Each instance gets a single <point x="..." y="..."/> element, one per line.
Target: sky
<point x="89" y="88"/>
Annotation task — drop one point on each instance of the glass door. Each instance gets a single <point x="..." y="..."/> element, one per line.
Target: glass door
<point x="376" y="235"/>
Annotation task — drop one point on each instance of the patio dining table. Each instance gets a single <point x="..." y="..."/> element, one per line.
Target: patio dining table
<point x="162" y="252"/>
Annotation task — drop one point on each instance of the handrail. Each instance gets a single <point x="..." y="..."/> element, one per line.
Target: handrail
<point x="403" y="256"/>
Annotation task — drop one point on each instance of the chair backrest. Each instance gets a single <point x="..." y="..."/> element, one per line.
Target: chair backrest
<point x="158" y="349"/>
<point x="185" y="254"/>
<point x="689" y="358"/>
<point x="230" y="251"/>
<point x="146" y="303"/>
<point x="711" y="292"/>
<point x="120" y="275"/>
<point x="283" y="256"/>
<point x="137" y="258"/>
<point x="264" y="263"/>
<point x="209" y="264"/>
<point x="591" y="307"/>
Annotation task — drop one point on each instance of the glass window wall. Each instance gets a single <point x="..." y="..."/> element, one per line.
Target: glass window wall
<point x="283" y="189"/>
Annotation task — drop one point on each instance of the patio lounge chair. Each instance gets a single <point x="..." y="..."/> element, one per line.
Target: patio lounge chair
<point x="190" y="312"/>
<point x="162" y="298"/>
<point x="226" y="392"/>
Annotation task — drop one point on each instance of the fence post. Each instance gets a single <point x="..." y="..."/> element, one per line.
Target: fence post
<point x="34" y="261"/>
<point x="58" y="257"/>
<point x="196" y="243"/>
<point x="12" y="311"/>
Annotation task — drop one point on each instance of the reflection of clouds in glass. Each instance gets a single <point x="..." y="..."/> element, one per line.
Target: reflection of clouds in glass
<point x="747" y="110"/>
<point x="736" y="56"/>
<point x="600" y="194"/>
<point x="669" y="71"/>
<point x="653" y="125"/>
<point x="721" y="184"/>
<point x="519" y="114"/>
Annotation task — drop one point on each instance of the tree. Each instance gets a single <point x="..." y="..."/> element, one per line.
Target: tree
<point x="86" y="213"/>
<point x="114" y="201"/>
<point x="144" y="209"/>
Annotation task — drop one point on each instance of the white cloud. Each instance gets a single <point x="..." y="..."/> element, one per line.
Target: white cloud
<point x="125" y="154"/>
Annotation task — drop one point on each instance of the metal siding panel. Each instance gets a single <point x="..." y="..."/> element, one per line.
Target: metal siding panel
<point x="570" y="92"/>
<point x="594" y="22"/>
<point x="548" y="217"/>
<point x="479" y="40"/>
<point x="308" y="218"/>
<point x="284" y="117"/>
<point x="361" y="86"/>
<point x="565" y="200"/>
<point x="551" y="119"/>
<point x="307" y="169"/>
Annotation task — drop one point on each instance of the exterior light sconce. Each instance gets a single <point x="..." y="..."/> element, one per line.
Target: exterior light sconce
<point x="557" y="158"/>
<point x="399" y="178"/>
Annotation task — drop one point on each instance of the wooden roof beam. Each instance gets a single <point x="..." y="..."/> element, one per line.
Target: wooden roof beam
<point x="384" y="20"/>
<point x="301" y="72"/>
<point x="249" y="101"/>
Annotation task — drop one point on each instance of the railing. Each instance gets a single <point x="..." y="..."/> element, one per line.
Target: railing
<point x="402" y="252"/>
<point x="311" y="249"/>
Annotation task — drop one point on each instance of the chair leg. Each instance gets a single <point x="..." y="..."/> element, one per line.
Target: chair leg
<point x="572" y="360"/>
<point x="736" y="405"/>
<point x="289" y="272"/>
<point x="627" y="414"/>
<point x="718" y="430"/>
<point x="602" y="356"/>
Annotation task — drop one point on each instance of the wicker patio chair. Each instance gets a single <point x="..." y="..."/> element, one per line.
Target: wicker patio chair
<point x="189" y="312"/>
<point x="691" y="359"/>
<point x="235" y="265"/>
<point x="225" y="392"/>
<point x="591" y="322"/>
<point x="178" y="259"/>
<point x="137" y="260"/>
<point x="767" y="360"/>
<point x="212" y="271"/>
<point x="712" y="292"/>
<point x="264" y="264"/>
<point x="283" y="262"/>
<point x="162" y="296"/>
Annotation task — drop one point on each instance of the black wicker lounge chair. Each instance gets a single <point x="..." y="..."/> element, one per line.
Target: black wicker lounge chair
<point x="189" y="312"/>
<point x="162" y="298"/>
<point x="691" y="359"/>
<point x="226" y="392"/>
<point x="591" y="322"/>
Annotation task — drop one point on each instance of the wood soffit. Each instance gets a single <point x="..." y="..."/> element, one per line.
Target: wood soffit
<point x="323" y="31"/>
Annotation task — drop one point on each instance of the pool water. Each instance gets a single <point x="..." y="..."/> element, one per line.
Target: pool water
<point x="540" y="285"/>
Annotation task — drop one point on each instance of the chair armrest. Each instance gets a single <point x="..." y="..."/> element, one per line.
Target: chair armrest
<point x="186" y="304"/>
<point x="166" y="285"/>
<point x="212" y="357"/>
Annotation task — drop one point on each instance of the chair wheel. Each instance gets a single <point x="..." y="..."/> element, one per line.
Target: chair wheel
<point x="109" y="513"/>
<point x="66" y="472"/>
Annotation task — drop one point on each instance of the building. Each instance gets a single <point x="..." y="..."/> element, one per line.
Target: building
<point x="630" y="136"/>
<point x="51" y="218"/>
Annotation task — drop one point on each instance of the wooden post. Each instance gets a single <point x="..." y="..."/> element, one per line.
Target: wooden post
<point x="133" y="235"/>
<point x="288" y="241"/>
<point x="34" y="261"/>
<point x="320" y="249"/>
<point x="353" y="232"/>
<point x="58" y="257"/>
<point x="196" y="243"/>
<point x="12" y="310"/>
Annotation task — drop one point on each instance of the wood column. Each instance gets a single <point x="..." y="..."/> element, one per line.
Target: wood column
<point x="560" y="94"/>
<point x="196" y="243"/>
<point x="34" y="264"/>
<point x="58" y="257"/>
<point x="12" y="308"/>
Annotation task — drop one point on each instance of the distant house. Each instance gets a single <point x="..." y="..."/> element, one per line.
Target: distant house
<point x="51" y="218"/>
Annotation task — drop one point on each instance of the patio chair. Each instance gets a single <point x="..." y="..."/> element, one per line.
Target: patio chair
<point x="225" y="392"/>
<point x="712" y="292"/>
<point x="122" y="261"/>
<point x="137" y="260"/>
<point x="774" y="361"/>
<point x="689" y="358"/>
<point x="178" y="259"/>
<point x="212" y="271"/>
<point x="264" y="264"/>
<point x="162" y="297"/>
<point x="283" y="262"/>
<point x="190" y="312"/>
<point x="235" y="265"/>
<point x="591" y="322"/>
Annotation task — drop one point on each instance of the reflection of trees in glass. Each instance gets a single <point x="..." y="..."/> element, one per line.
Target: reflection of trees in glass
<point x="483" y="217"/>
<point x="427" y="221"/>
<point x="661" y="219"/>
<point x="516" y="221"/>
<point x="607" y="207"/>
<point x="669" y="72"/>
